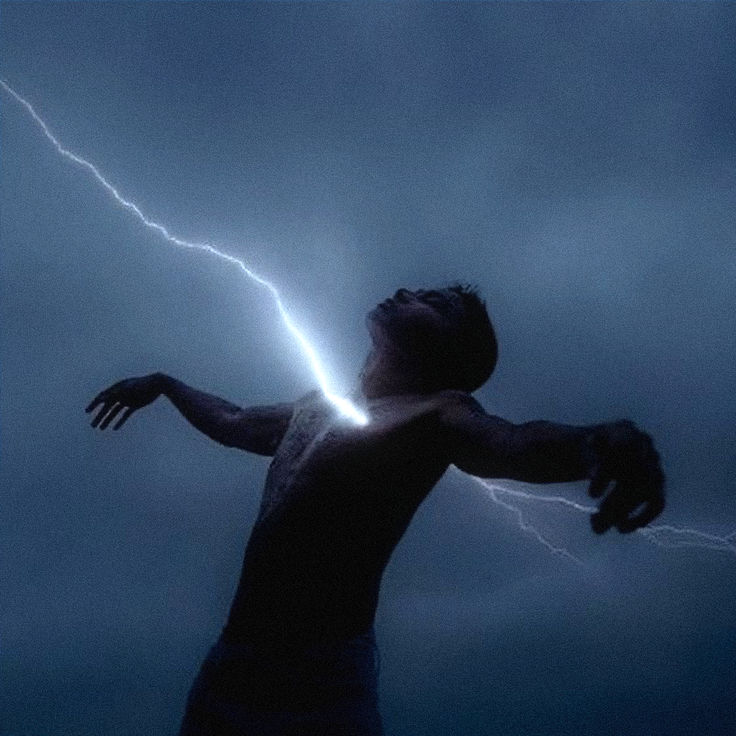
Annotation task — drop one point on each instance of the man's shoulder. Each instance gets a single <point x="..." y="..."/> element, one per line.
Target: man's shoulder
<point x="454" y="401"/>
<point x="436" y="410"/>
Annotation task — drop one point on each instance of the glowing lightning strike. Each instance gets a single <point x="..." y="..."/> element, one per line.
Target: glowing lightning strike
<point x="346" y="407"/>
<point x="661" y="535"/>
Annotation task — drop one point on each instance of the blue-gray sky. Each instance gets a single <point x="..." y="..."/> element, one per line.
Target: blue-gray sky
<point x="576" y="161"/>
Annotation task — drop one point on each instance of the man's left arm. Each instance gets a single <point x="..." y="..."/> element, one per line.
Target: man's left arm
<point x="257" y="429"/>
<point x="619" y="459"/>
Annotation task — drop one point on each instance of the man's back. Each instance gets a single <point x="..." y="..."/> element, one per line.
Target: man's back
<point x="336" y="502"/>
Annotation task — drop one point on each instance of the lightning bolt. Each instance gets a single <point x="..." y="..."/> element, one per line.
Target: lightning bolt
<point x="661" y="535"/>
<point x="343" y="405"/>
<point x="666" y="536"/>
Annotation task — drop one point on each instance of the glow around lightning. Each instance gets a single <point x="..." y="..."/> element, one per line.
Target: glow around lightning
<point x="346" y="407"/>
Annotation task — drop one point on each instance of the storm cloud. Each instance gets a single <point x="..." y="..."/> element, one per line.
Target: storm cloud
<point x="574" y="160"/>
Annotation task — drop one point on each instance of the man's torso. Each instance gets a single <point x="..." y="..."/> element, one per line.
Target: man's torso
<point x="336" y="502"/>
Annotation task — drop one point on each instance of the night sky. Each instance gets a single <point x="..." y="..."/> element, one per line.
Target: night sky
<point x="575" y="161"/>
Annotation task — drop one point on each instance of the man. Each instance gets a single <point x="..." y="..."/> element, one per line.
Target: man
<point x="297" y="655"/>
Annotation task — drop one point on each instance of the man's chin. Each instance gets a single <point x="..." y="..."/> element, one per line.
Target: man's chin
<point x="379" y="326"/>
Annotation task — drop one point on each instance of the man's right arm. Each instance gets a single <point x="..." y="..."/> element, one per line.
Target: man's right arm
<point x="619" y="460"/>
<point x="256" y="429"/>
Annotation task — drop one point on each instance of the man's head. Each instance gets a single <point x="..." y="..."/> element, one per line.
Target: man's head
<point x="434" y="339"/>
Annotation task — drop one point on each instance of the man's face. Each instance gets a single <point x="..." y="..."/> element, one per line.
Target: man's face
<point x="408" y="317"/>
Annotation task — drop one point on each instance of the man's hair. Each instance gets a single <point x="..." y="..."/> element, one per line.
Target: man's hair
<point x="469" y="363"/>
<point x="462" y="357"/>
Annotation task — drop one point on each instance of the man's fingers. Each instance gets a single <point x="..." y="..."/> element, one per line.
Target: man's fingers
<point x="107" y="394"/>
<point x="102" y="412"/>
<point x="614" y="509"/>
<point x="110" y="409"/>
<point x="111" y="415"/>
<point x="648" y="514"/>
<point x="96" y="401"/>
<point x="599" y="523"/>
<point x="124" y="418"/>
<point x="599" y="481"/>
<point x="628" y="508"/>
<point x="628" y="455"/>
<point x="652" y="499"/>
<point x="602" y="520"/>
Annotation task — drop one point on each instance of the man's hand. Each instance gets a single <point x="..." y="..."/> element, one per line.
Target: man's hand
<point x="126" y="396"/>
<point x="625" y="456"/>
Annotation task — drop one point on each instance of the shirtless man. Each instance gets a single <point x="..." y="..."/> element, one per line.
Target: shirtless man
<point x="296" y="655"/>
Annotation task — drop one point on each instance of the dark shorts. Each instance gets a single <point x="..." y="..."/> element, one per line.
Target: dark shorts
<point x="321" y="690"/>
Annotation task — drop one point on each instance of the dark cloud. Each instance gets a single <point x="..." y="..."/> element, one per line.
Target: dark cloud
<point x="573" y="160"/>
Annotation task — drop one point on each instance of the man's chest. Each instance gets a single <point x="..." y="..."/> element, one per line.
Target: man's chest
<point x="323" y="454"/>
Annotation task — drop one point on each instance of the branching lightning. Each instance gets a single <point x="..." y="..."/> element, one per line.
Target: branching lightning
<point x="493" y="492"/>
<point x="661" y="535"/>
<point x="344" y="406"/>
<point x="666" y="536"/>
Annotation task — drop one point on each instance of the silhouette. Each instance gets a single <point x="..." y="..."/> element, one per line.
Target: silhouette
<point x="297" y="654"/>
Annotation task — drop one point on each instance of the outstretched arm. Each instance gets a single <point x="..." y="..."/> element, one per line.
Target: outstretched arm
<point x="619" y="459"/>
<point x="256" y="429"/>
